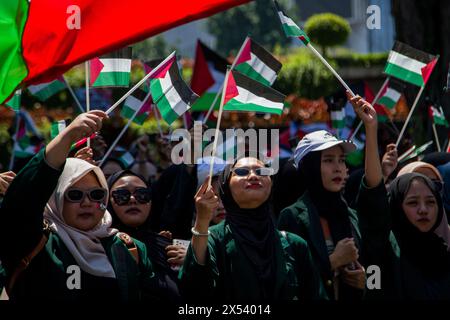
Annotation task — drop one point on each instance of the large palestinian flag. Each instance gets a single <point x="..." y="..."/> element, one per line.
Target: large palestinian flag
<point x="207" y="77"/>
<point x="169" y="91"/>
<point x="41" y="39"/>
<point x="409" y="64"/>
<point x="245" y="94"/>
<point x="112" y="69"/>
<point x="257" y="63"/>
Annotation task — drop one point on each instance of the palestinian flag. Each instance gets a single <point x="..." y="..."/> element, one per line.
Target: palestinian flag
<point x="126" y="159"/>
<point x="26" y="147"/>
<point x="35" y="49"/>
<point x="382" y="114"/>
<point x="409" y="64"/>
<point x="337" y="116"/>
<point x="290" y="28"/>
<point x="45" y="90"/>
<point x="390" y="95"/>
<point x="27" y="141"/>
<point x="245" y="94"/>
<point x="437" y="116"/>
<point x="15" y="100"/>
<point x="112" y="69"/>
<point x="207" y="77"/>
<point x="57" y="127"/>
<point x="138" y="100"/>
<point x="257" y="63"/>
<point x="169" y="91"/>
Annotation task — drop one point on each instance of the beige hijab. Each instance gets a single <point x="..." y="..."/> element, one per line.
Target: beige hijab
<point x="83" y="245"/>
<point x="443" y="230"/>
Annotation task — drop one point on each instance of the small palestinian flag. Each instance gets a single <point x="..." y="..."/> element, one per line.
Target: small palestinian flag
<point x="111" y="70"/>
<point x="207" y="77"/>
<point x="382" y="113"/>
<point x="126" y="159"/>
<point x="45" y="90"/>
<point x="14" y="102"/>
<point x="390" y="95"/>
<point x="257" y="63"/>
<point x="57" y="127"/>
<point x="26" y="147"/>
<point x="138" y="100"/>
<point x="409" y="64"/>
<point x="438" y="116"/>
<point x="245" y="94"/>
<point x="169" y="92"/>
<point x="337" y="115"/>
<point x="290" y="28"/>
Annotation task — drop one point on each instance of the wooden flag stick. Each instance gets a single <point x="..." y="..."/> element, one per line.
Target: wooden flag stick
<point x="409" y="115"/>
<point x="88" y="106"/>
<point x="211" y="108"/>
<point x="216" y="134"/>
<point x="436" y="137"/>
<point x="113" y="145"/>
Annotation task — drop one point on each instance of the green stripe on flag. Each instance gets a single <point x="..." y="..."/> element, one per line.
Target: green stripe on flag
<point x="235" y="105"/>
<point x="165" y="108"/>
<point x="112" y="79"/>
<point x="404" y="74"/>
<point x="247" y="70"/>
<point x="204" y="102"/>
<point x="13" y="69"/>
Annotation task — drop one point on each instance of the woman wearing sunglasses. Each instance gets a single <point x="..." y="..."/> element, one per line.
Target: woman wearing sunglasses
<point x="244" y="258"/>
<point x="77" y="256"/>
<point x="321" y="215"/>
<point x="130" y="207"/>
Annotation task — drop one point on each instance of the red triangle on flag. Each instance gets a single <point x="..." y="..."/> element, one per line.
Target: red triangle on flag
<point x="231" y="90"/>
<point x="427" y="70"/>
<point x="202" y="78"/>
<point x="245" y="53"/>
<point x="96" y="67"/>
<point x="162" y="69"/>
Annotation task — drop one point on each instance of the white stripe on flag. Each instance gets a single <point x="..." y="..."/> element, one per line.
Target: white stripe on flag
<point x="392" y="94"/>
<point x="246" y="96"/>
<point x="176" y="103"/>
<point x="337" y="115"/>
<point x="287" y="20"/>
<point x="263" y="69"/>
<point x="133" y="102"/>
<point x="406" y="62"/>
<point x="116" y="65"/>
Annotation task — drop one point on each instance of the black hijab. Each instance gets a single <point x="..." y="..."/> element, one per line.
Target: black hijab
<point x="426" y="250"/>
<point x="253" y="231"/>
<point x="330" y="205"/>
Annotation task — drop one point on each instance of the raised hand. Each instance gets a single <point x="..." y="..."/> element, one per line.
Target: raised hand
<point x="390" y="160"/>
<point x="365" y="111"/>
<point x="85" y="154"/>
<point x="5" y="180"/>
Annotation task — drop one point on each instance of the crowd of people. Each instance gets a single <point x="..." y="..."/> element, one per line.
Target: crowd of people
<point x="76" y="231"/>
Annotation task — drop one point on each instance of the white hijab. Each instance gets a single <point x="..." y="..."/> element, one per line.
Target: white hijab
<point x="84" y="246"/>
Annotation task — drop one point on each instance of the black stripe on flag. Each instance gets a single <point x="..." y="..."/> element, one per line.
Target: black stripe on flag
<point x="411" y="52"/>
<point x="180" y="86"/>
<point x="139" y="94"/>
<point x="396" y="85"/>
<point x="124" y="53"/>
<point x="219" y="63"/>
<point x="257" y="88"/>
<point x="265" y="56"/>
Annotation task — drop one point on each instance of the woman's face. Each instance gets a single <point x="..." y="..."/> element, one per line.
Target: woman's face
<point x="333" y="169"/>
<point x="252" y="190"/>
<point x="84" y="215"/>
<point x="133" y="213"/>
<point x="420" y="206"/>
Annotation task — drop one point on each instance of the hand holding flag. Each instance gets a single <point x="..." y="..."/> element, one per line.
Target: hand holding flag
<point x="365" y="111"/>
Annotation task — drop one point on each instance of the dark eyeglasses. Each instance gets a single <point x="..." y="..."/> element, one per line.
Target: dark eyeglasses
<point x="78" y="195"/>
<point x="122" y="196"/>
<point x="244" y="171"/>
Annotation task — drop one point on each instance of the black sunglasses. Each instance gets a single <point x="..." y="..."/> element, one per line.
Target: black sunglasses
<point x="244" y="171"/>
<point x="122" y="196"/>
<point x="78" y="195"/>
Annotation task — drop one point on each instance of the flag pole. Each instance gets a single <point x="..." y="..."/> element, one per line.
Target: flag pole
<point x="310" y="46"/>
<point x="211" y="108"/>
<point x="216" y="134"/>
<point x="409" y="115"/>
<point x="113" y="145"/>
<point x="69" y="87"/>
<point x="157" y="122"/>
<point x="13" y="153"/>
<point x="374" y="101"/>
<point x="88" y="104"/>
<point x="137" y="85"/>
<point x="436" y="137"/>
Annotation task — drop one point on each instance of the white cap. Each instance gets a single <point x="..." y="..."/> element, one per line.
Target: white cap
<point x="317" y="141"/>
